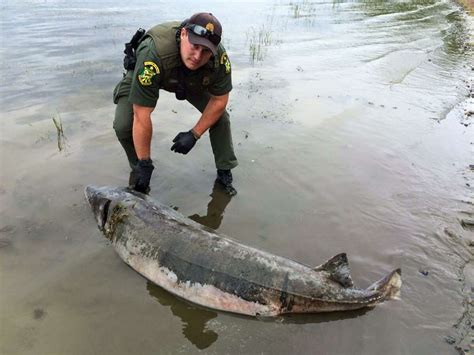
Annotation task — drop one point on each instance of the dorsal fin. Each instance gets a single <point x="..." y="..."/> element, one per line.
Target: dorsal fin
<point x="338" y="268"/>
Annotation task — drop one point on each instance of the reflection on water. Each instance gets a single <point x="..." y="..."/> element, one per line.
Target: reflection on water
<point x="323" y="317"/>
<point x="215" y="209"/>
<point x="194" y="319"/>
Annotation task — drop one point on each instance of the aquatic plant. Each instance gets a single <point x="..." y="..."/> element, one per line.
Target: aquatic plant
<point x="60" y="132"/>
<point x="303" y="8"/>
<point x="258" y="40"/>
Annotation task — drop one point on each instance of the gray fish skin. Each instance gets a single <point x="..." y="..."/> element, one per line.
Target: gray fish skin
<point x="215" y="271"/>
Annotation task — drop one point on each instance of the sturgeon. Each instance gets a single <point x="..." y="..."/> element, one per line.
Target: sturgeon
<point x="212" y="270"/>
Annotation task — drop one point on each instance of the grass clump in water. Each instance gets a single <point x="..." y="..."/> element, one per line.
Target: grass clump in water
<point x="58" y="123"/>
<point x="258" y="41"/>
<point x="304" y="8"/>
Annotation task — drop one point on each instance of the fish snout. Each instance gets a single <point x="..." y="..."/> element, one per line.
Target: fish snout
<point x="99" y="204"/>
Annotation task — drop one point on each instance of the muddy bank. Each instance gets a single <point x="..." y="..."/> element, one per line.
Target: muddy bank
<point x="468" y="5"/>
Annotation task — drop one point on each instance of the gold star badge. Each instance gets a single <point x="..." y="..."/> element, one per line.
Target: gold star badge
<point x="210" y="27"/>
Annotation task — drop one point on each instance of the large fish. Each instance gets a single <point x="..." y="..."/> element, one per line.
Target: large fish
<point x="212" y="270"/>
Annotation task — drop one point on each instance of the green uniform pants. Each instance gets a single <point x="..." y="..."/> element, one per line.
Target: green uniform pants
<point x="220" y="133"/>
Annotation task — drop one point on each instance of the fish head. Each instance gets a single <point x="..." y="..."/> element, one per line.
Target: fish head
<point x="103" y="199"/>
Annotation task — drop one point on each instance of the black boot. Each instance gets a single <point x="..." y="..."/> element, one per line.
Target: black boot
<point x="224" y="177"/>
<point x="132" y="179"/>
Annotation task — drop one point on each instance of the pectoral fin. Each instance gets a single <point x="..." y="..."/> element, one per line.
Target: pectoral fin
<point x="338" y="269"/>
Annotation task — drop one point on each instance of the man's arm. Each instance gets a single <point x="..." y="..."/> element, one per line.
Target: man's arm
<point x="142" y="130"/>
<point x="185" y="141"/>
<point x="213" y="111"/>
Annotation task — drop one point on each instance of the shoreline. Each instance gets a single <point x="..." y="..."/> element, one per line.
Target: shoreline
<point x="468" y="6"/>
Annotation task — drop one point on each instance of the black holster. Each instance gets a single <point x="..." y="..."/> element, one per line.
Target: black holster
<point x="130" y="58"/>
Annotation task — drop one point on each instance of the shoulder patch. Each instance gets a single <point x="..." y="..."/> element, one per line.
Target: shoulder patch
<point x="150" y="69"/>
<point x="226" y="62"/>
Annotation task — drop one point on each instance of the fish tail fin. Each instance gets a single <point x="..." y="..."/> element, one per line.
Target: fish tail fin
<point x="389" y="286"/>
<point x="338" y="269"/>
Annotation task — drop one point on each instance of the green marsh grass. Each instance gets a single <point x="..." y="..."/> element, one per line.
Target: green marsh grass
<point x="258" y="40"/>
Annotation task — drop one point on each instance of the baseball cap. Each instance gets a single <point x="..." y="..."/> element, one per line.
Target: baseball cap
<point x="204" y="29"/>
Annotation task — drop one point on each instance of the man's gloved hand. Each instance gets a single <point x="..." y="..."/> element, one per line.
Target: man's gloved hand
<point x="143" y="171"/>
<point x="184" y="142"/>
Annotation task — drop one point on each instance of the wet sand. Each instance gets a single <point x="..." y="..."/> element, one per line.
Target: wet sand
<point x="351" y="137"/>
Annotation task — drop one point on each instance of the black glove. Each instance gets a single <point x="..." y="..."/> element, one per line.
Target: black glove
<point x="143" y="171"/>
<point x="184" y="142"/>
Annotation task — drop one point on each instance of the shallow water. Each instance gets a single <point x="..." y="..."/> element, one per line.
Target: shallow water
<point x="349" y="129"/>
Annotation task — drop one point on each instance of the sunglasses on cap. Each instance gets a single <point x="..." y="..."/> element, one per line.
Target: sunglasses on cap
<point x="203" y="32"/>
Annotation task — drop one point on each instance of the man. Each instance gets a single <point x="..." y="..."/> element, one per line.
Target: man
<point x="188" y="59"/>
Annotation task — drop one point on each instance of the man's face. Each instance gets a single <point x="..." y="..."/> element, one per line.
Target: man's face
<point x="193" y="56"/>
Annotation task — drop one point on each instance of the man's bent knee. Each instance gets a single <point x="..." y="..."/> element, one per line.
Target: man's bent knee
<point x="123" y="122"/>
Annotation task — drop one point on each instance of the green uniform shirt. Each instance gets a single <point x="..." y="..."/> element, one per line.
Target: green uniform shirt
<point x="159" y="66"/>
